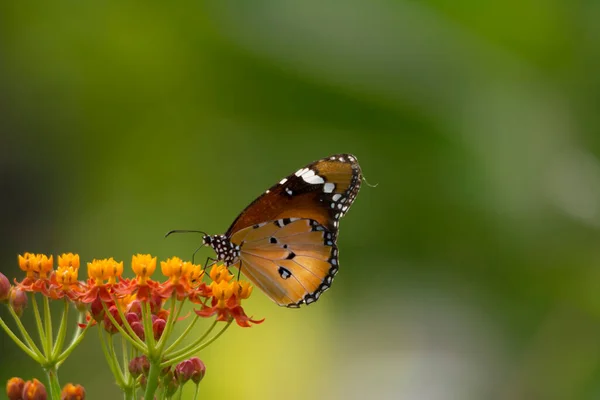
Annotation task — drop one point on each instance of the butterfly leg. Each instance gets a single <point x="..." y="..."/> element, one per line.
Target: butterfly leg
<point x="206" y="265"/>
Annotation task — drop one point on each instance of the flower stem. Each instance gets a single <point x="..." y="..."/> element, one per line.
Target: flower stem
<point x="193" y="344"/>
<point x="152" y="381"/>
<point x="197" y="391"/>
<point x="40" y="326"/>
<point x="182" y="336"/>
<point x="148" y="333"/>
<point x="48" y="322"/>
<point x="137" y="343"/>
<point x="109" y="359"/>
<point x="62" y="331"/>
<point x="23" y="346"/>
<point x="126" y="323"/>
<point x="31" y="344"/>
<point x="77" y="338"/>
<point x="54" y="384"/>
<point x="168" y="326"/>
<point x="199" y="347"/>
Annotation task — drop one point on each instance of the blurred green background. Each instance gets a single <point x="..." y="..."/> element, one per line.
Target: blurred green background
<point x="472" y="271"/>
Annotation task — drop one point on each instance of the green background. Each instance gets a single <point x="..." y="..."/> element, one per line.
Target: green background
<point x="472" y="271"/>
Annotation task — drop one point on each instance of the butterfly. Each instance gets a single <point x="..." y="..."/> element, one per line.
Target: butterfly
<point x="284" y="242"/>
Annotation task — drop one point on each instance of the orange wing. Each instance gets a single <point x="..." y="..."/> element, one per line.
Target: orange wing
<point x="292" y="260"/>
<point x="322" y="191"/>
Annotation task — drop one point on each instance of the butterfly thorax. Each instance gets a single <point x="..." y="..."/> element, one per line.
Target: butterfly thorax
<point x="226" y="251"/>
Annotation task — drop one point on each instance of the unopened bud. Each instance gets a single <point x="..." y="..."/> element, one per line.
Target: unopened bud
<point x="34" y="390"/>
<point x="199" y="370"/>
<point x="14" y="388"/>
<point x="158" y="327"/>
<point x="4" y="288"/>
<point x="18" y="301"/>
<point x="72" y="392"/>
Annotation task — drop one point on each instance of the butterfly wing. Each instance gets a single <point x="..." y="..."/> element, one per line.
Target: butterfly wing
<point x="322" y="191"/>
<point x="292" y="260"/>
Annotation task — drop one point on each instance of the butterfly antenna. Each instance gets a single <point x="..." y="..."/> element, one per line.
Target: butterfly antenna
<point x="368" y="184"/>
<point x="184" y="231"/>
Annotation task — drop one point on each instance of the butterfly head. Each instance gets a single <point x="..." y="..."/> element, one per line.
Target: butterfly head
<point x="226" y="251"/>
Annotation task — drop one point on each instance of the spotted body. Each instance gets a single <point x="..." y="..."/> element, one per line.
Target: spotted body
<point x="285" y="241"/>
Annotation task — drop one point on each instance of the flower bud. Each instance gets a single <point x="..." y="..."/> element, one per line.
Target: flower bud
<point x="199" y="370"/>
<point x="171" y="385"/>
<point x="97" y="310"/>
<point x="135" y="307"/>
<point x="14" y="388"/>
<point x="158" y="327"/>
<point x="18" y="301"/>
<point x="184" y="371"/>
<point x="143" y="382"/>
<point x="72" y="392"/>
<point x="139" y="365"/>
<point x="108" y="325"/>
<point x="34" y="390"/>
<point x="4" y="288"/>
<point x="138" y="328"/>
<point x="155" y="303"/>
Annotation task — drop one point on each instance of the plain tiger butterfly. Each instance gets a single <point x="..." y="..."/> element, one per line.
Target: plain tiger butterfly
<point x="284" y="242"/>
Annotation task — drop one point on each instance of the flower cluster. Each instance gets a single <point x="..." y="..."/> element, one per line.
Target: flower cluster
<point x="18" y="389"/>
<point x="141" y="310"/>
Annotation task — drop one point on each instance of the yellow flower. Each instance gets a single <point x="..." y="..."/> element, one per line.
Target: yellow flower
<point x="175" y="268"/>
<point x="69" y="260"/>
<point x="66" y="275"/>
<point x="222" y="291"/>
<point x="195" y="274"/>
<point x="143" y="265"/>
<point x="105" y="269"/>
<point x="220" y="273"/>
<point x="242" y="289"/>
<point x="36" y="265"/>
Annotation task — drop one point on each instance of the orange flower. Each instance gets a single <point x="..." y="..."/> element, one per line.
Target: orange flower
<point x="72" y="392"/>
<point x="143" y="265"/>
<point x="182" y="275"/>
<point x="226" y="298"/>
<point x="99" y="271"/>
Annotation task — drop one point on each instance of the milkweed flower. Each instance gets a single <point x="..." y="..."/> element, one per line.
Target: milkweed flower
<point x="72" y="392"/>
<point x="144" y="311"/>
<point x="226" y="298"/>
<point x="34" y="390"/>
<point x="14" y="388"/>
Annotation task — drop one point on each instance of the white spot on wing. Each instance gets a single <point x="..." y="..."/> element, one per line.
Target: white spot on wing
<point x="284" y="180"/>
<point x="312" y="179"/>
<point x="328" y="187"/>
<point x="301" y="171"/>
<point x="336" y="197"/>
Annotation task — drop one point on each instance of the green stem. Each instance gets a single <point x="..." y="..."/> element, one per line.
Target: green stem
<point x="122" y="331"/>
<point x="148" y="332"/>
<point x="113" y="354"/>
<point x="197" y="391"/>
<point x="40" y="326"/>
<point x="109" y="359"/>
<point x="62" y="331"/>
<point x="152" y="382"/>
<point x="78" y="336"/>
<point x="30" y="343"/>
<point x="125" y="359"/>
<point x="23" y="346"/>
<point x="191" y="352"/>
<point x="168" y="326"/>
<point x="193" y="344"/>
<point x="48" y="321"/>
<point x="183" y="335"/>
<point x="180" y="390"/>
<point x="54" y="384"/>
